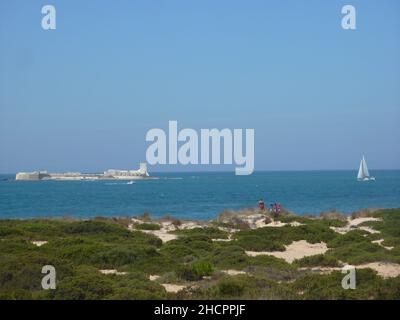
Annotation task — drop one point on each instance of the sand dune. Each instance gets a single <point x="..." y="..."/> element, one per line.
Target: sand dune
<point x="296" y="250"/>
<point x="173" y="287"/>
<point x="384" y="269"/>
<point x="353" y="224"/>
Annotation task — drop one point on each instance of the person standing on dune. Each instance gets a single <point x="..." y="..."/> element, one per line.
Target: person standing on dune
<point x="261" y="205"/>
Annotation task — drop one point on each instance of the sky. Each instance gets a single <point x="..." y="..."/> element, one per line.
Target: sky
<point x="82" y="97"/>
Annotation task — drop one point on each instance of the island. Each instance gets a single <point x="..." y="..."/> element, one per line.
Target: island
<point x="111" y="174"/>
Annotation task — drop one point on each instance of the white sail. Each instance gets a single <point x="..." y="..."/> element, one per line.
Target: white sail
<point x="365" y="168"/>
<point x="363" y="173"/>
<point x="360" y="175"/>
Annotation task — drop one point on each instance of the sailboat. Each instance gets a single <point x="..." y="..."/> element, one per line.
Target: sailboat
<point x="363" y="173"/>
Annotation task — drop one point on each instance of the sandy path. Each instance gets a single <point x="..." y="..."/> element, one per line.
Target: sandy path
<point x="173" y="287"/>
<point x="162" y="234"/>
<point x="384" y="269"/>
<point x="256" y="221"/>
<point x="276" y="224"/>
<point x="296" y="250"/>
<point x="165" y="228"/>
<point x="380" y="243"/>
<point x="353" y="224"/>
<point x="358" y="221"/>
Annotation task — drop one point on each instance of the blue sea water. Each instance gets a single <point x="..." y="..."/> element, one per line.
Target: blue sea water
<point x="199" y="195"/>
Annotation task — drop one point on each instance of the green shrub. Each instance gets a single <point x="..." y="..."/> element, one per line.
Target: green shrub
<point x="195" y="271"/>
<point x="319" y="260"/>
<point x="186" y="272"/>
<point x="257" y="243"/>
<point x="203" y="269"/>
<point x="209" y="232"/>
<point x="349" y="238"/>
<point x="228" y="257"/>
<point x="83" y="287"/>
<point x="176" y="251"/>
<point x="359" y="253"/>
<point x="116" y="257"/>
<point x="78" y="249"/>
<point x="330" y="287"/>
<point x="155" y="264"/>
<point x="314" y="231"/>
<point x="148" y="226"/>
<point x="136" y="294"/>
<point x="231" y="287"/>
<point x="94" y="227"/>
<point x="270" y="262"/>
<point x="16" y="294"/>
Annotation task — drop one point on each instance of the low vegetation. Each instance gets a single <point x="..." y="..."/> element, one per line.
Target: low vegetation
<point x="147" y="226"/>
<point x="210" y="262"/>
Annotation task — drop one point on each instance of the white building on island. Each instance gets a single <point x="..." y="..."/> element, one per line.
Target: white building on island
<point x="141" y="173"/>
<point x="127" y="174"/>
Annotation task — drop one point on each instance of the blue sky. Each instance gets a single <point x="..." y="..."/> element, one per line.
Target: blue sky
<point x="83" y="96"/>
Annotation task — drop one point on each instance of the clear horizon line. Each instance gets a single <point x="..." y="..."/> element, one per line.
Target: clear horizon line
<point x="214" y="171"/>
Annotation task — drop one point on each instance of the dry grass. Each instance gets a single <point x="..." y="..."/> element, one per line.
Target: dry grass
<point x="333" y="215"/>
<point x="232" y="219"/>
<point x="145" y="217"/>
<point x="176" y="223"/>
<point x="363" y="213"/>
<point x="122" y="221"/>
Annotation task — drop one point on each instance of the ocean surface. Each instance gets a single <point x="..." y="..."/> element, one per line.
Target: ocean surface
<point x="199" y="195"/>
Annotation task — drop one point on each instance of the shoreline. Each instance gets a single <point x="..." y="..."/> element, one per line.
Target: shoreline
<point x="179" y="217"/>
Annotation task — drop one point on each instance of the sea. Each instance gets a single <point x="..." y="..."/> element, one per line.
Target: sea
<point x="200" y="196"/>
